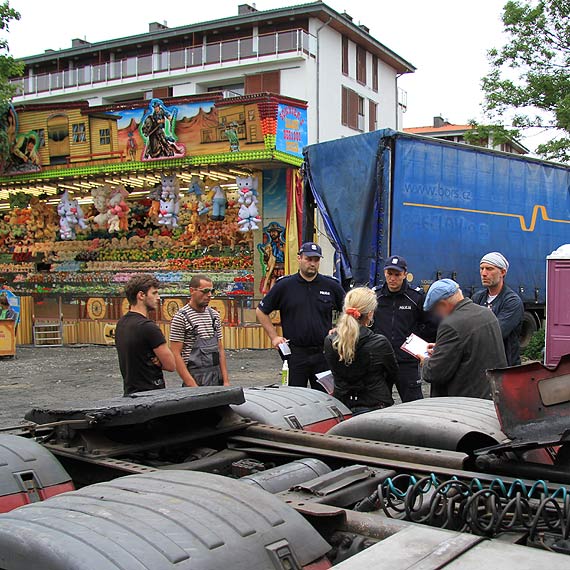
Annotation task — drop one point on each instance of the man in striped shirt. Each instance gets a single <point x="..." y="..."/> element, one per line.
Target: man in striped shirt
<point x="196" y="338"/>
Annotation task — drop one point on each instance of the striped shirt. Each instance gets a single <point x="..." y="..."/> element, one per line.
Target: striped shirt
<point x="188" y="324"/>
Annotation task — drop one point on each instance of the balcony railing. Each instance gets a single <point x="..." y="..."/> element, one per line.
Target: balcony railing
<point x="296" y="41"/>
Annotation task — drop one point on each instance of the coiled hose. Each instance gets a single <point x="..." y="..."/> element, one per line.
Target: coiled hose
<point x="471" y="506"/>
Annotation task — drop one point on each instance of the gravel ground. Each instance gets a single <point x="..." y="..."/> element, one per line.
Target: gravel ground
<point x="44" y="376"/>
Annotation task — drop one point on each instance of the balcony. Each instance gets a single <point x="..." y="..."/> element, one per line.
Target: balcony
<point x="233" y="52"/>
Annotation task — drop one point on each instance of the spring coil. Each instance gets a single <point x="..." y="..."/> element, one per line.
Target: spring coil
<point x="471" y="506"/>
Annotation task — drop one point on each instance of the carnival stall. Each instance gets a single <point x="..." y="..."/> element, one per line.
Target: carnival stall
<point x="90" y="196"/>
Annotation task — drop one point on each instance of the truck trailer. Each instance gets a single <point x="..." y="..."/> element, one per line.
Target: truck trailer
<point x="442" y="206"/>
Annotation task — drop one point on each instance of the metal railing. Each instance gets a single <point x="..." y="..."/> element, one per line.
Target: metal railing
<point x="296" y="41"/>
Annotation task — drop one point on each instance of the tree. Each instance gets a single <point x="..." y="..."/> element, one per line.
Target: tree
<point x="9" y="68"/>
<point x="482" y="135"/>
<point x="530" y="74"/>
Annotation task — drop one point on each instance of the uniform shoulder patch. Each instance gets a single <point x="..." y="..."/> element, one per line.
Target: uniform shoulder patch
<point x="419" y="290"/>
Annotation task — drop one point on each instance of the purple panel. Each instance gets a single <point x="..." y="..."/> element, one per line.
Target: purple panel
<point x="557" y="310"/>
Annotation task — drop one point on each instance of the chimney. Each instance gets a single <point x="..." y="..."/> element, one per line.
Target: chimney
<point x="347" y="16"/>
<point x="364" y="28"/>
<point x="157" y="27"/>
<point x="78" y="42"/>
<point x="439" y="122"/>
<point x="246" y="9"/>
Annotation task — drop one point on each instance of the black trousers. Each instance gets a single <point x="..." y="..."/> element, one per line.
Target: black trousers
<point x="409" y="383"/>
<point x="304" y="363"/>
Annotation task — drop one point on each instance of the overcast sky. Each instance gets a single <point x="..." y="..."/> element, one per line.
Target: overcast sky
<point x="446" y="40"/>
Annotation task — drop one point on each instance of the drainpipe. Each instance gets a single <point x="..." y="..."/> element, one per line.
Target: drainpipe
<point x="319" y="77"/>
<point x="398" y="75"/>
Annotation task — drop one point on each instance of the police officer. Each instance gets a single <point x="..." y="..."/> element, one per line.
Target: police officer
<point x="306" y="302"/>
<point x="399" y="313"/>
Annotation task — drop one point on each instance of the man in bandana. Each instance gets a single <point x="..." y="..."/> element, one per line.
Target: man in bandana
<point x="503" y="301"/>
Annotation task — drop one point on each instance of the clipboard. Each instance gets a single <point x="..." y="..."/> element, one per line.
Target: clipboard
<point x="416" y="346"/>
<point x="326" y="380"/>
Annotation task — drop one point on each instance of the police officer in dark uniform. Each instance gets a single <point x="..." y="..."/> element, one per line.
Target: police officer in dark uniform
<point x="400" y="312"/>
<point x="306" y="302"/>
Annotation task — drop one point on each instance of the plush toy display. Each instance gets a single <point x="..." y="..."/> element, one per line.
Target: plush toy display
<point x="118" y="210"/>
<point x="70" y="217"/>
<point x="101" y="204"/>
<point x="154" y="209"/>
<point x="196" y="186"/>
<point x="169" y="202"/>
<point x="219" y="203"/>
<point x="42" y="223"/>
<point x="169" y="208"/>
<point x="248" y="215"/>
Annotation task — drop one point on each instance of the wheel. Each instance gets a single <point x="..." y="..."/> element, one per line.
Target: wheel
<point x="529" y="327"/>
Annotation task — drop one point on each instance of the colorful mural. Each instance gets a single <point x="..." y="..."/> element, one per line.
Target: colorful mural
<point x="24" y="147"/>
<point x="291" y="129"/>
<point x="200" y="127"/>
<point x="272" y="252"/>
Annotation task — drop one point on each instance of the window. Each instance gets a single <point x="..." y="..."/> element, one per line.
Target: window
<point x="78" y="133"/>
<point x="375" y="73"/>
<point x="352" y="109"/>
<point x="268" y="82"/>
<point x="345" y="55"/>
<point x="104" y="136"/>
<point x="361" y="65"/>
<point x="41" y="137"/>
<point x="372" y="115"/>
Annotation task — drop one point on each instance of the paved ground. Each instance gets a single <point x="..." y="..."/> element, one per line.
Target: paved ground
<point x="50" y="375"/>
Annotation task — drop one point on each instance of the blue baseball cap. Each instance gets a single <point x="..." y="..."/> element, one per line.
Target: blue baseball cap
<point x="440" y="290"/>
<point x="396" y="262"/>
<point x="311" y="249"/>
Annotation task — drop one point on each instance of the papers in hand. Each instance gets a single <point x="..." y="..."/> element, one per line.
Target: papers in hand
<point x="326" y="380"/>
<point x="416" y="346"/>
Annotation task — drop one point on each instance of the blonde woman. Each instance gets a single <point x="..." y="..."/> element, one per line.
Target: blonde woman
<point x="362" y="362"/>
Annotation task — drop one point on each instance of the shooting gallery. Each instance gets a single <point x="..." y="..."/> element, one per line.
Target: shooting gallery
<point x="92" y="195"/>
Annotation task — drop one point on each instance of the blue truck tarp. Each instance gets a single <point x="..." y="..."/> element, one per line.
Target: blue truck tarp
<point x="441" y="205"/>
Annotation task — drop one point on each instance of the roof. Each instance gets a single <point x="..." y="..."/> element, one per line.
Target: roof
<point x="449" y="130"/>
<point x="316" y="9"/>
<point x="431" y="130"/>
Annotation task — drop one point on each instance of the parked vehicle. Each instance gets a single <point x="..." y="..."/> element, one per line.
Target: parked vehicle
<point x="441" y="205"/>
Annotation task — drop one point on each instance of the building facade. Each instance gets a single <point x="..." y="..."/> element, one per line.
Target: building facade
<point x="442" y="129"/>
<point x="308" y="52"/>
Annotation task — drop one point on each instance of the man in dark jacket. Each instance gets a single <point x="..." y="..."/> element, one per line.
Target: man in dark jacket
<point x="400" y="312"/>
<point x="503" y="301"/>
<point x="468" y="343"/>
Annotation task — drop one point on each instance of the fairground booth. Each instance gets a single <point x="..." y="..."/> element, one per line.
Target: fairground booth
<point x="90" y="196"/>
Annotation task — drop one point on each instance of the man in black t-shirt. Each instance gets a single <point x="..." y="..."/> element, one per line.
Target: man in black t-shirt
<point x="306" y="302"/>
<point x="141" y="346"/>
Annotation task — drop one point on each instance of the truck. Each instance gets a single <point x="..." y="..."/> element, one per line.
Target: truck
<point x="441" y="205"/>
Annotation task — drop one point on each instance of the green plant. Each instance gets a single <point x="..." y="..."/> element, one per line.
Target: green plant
<point x="534" y="348"/>
<point x="530" y="74"/>
<point x="19" y="200"/>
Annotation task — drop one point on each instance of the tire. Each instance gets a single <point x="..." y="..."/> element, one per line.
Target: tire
<point x="529" y="327"/>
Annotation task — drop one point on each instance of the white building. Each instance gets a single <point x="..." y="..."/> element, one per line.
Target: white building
<point x="310" y="52"/>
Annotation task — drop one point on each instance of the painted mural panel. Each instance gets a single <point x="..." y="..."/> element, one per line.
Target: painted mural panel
<point x="292" y="134"/>
<point x="24" y="146"/>
<point x="187" y="129"/>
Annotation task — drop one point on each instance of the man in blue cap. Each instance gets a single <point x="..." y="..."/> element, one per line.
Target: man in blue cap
<point x="468" y="343"/>
<point x="503" y="301"/>
<point x="305" y="302"/>
<point x="400" y="312"/>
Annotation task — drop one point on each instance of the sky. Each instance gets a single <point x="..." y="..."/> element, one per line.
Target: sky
<point x="447" y="40"/>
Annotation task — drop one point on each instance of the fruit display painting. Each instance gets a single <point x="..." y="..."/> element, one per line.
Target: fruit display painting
<point x="159" y="131"/>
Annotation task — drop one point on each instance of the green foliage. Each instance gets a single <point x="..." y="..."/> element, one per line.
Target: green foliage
<point x="9" y="68"/>
<point x="479" y="135"/>
<point x="531" y="72"/>
<point x="534" y="348"/>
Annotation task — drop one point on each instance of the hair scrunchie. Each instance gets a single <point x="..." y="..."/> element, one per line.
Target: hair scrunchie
<point x="353" y="312"/>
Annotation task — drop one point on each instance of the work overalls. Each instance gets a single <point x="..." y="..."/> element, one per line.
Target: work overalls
<point x="204" y="360"/>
